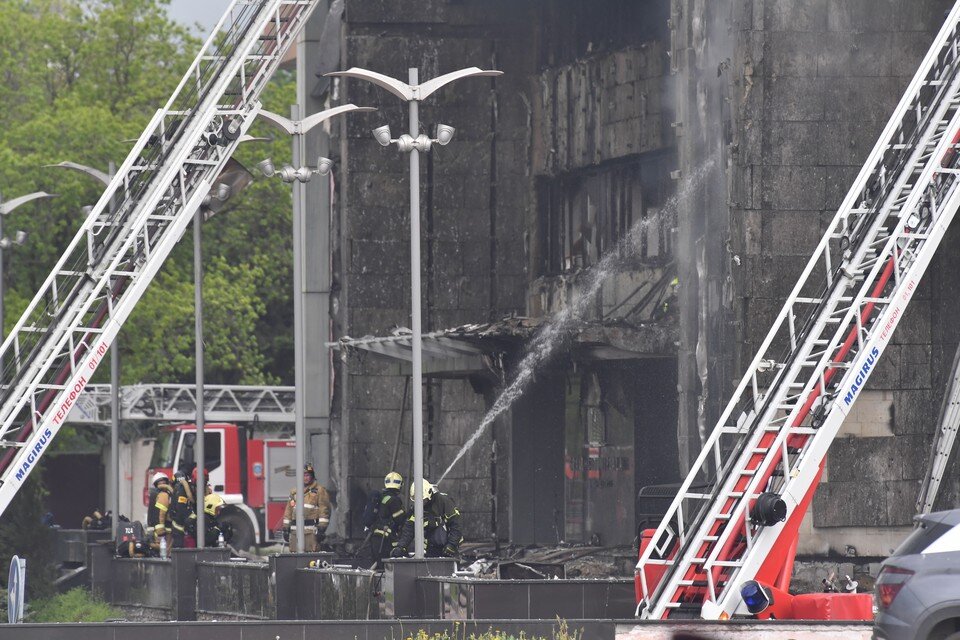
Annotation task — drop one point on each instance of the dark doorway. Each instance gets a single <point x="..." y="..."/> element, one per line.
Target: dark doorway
<point x="75" y="486"/>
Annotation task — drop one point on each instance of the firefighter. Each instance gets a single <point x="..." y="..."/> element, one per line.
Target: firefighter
<point x="441" y="526"/>
<point x="316" y="513"/>
<point x="212" y="506"/>
<point x="158" y="514"/>
<point x="183" y="515"/>
<point x="668" y="304"/>
<point x="388" y="517"/>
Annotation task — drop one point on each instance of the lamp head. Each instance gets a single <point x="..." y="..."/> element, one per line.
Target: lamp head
<point x="223" y="192"/>
<point x="406" y="143"/>
<point x="382" y="134"/>
<point x="266" y="167"/>
<point x="20" y="237"/>
<point x="287" y="173"/>
<point x="86" y="210"/>
<point x="444" y="134"/>
<point x="324" y="165"/>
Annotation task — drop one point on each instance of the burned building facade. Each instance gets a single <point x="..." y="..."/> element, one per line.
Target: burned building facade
<point x="705" y="144"/>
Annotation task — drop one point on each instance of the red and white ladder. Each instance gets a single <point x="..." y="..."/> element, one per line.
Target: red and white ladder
<point x="774" y="433"/>
<point x="61" y="338"/>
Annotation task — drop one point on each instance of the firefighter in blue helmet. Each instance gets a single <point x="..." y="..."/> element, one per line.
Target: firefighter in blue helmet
<point x="441" y="526"/>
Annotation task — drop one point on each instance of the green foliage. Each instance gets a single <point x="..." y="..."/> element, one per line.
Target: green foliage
<point x="76" y="605"/>
<point x="561" y="632"/>
<point x="80" y="78"/>
<point x="23" y="534"/>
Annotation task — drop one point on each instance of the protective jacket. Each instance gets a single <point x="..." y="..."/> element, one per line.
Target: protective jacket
<point x="390" y="514"/>
<point x="183" y="513"/>
<point x="158" y="515"/>
<point x="316" y="507"/>
<point x="441" y="528"/>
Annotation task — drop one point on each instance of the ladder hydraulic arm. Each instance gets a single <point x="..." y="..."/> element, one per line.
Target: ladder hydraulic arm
<point x="61" y="338"/>
<point x="737" y="514"/>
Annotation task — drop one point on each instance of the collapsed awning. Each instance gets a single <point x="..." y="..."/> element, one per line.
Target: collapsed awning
<point x="479" y="348"/>
<point x="464" y="350"/>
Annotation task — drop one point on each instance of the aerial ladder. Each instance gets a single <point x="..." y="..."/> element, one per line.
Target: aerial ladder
<point x="941" y="448"/>
<point x="63" y="335"/>
<point x="728" y="539"/>
<point x="178" y="403"/>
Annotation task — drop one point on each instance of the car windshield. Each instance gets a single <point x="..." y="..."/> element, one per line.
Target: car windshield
<point x="163" y="450"/>
<point x="922" y="537"/>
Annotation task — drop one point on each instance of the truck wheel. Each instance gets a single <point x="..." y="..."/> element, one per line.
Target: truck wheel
<point x="242" y="538"/>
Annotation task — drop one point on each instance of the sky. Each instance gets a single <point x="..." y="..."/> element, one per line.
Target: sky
<point x="206" y="12"/>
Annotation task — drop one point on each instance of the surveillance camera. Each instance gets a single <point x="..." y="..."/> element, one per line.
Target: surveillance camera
<point x="324" y="165"/>
<point x="382" y="134"/>
<point x="266" y="167"/>
<point x="444" y="134"/>
<point x="20" y="237"/>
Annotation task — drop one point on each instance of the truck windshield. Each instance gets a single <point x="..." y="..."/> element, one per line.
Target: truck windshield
<point x="163" y="450"/>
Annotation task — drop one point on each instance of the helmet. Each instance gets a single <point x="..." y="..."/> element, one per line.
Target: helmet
<point x="393" y="481"/>
<point x="212" y="504"/>
<point x="193" y="477"/>
<point x="157" y="477"/>
<point x="428" y="490"/>
<point x="308" y="468"/>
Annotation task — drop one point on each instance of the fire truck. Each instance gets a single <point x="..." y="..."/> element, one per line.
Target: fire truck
<point x="253" y="475"/>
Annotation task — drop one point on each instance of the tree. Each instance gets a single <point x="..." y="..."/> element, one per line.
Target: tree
<point x="23" y="533"/>
<point x="79" y="78"/>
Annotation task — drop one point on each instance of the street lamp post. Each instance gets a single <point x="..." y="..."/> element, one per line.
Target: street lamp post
<point x="412" y="92"/>
<point x="299" y="175"/>
<point x="104" y="178"/>
<point x="6" y="208"/>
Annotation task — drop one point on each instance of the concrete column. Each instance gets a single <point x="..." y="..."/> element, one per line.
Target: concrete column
<point x="315" y="303"/>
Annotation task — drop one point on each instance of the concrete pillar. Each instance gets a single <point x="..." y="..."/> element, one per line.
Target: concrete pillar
<point x="406" y="597"/>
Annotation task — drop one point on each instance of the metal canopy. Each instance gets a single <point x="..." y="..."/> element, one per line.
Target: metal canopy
<point x="464" y="350"/>
<point x="172" y="402"/>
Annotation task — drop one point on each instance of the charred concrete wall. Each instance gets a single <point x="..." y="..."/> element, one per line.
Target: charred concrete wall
<point x="582" y="112"/>
<point x="474" y="198"/>
<point x="768" y="108"/>
<point x="815" y="83"/>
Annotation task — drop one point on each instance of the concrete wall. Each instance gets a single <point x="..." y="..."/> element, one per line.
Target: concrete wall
<point x="815" y="83"/>
<point x="473" y="221"/>
<point x="767" y="108"/>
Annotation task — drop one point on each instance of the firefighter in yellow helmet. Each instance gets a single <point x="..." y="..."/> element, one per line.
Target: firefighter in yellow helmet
<point x="441" y="526"/>
<point x="316" y="514"/>
<point x="212" y="506"/>
<point x="388" y="517"/>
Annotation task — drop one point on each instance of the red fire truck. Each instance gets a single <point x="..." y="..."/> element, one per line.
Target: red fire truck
<point x="254" y="476"/>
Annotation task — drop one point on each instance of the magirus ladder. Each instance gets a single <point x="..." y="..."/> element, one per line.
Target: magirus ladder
<point x="774" y="433"/>
<point x="942" y="447"/>
<point x="52" y="352"/>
